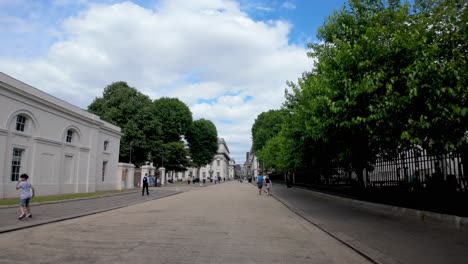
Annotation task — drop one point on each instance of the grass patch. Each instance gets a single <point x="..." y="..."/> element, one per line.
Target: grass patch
<point x="61" y="197"/>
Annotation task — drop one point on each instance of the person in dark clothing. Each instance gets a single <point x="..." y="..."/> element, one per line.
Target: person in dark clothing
<point x="145" y="185"/>
<point x="289" y="180"/>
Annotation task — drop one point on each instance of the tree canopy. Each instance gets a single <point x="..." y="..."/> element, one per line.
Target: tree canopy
<point x="175" y="116"/>
<point x="126" y="107"/>
<point x="154" y="131"/>
<point x="387" y="75"/>
<point x="266" y="126"/>
<point x="202" y="138"/>
<point x="176" y="156"/>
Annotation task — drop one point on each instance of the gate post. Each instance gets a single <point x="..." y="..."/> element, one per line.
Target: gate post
<point x="162" y="170"/>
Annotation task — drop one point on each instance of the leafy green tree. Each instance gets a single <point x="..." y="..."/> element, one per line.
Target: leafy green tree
<point x="202" y="138"/>
<point x="386" y="77"/>
<point x="282" y="141"/>
<point x="437" y="79"/>
<point x="176" y="156"/>
<point x="266" y="126"/>
<point x="356" y="63"/>
<point x="175" y="117"/>
<point x="129" y="109"/>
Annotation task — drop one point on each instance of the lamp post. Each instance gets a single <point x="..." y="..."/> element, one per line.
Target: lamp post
<point x="130" y="148"/>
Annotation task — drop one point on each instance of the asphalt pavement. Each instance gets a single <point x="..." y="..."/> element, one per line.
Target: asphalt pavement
<point x="386" y="237"/>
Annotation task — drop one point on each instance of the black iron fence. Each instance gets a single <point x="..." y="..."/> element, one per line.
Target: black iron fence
<point x="412" y="170"/>
<point x="416" y="170"/>
<point x="413" y="179"/>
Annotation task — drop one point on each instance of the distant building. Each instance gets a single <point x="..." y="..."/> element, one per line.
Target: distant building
<point x="222" y="166"/>
<point x="251" y="165"/>
<point x="63" y="148"/>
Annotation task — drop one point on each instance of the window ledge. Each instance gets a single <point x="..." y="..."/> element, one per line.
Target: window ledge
<point x="21" y="134"/>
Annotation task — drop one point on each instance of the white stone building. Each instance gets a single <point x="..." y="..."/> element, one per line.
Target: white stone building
<point x="251" y="165"/>
<point x="63" y="148"/>
<point x="222" y="166"/>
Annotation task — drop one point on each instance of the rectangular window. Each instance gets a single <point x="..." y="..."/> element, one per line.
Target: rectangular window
<point x="217" y="162"/>
<point x="217" y="174"/>
<point x="20" y="123"/>
<point x="104" y="165"/>
<point x="16" y="163"/>
<point x="106" y="144"/>
<point x="69" y="136"/>
<point x="204" y="174"/>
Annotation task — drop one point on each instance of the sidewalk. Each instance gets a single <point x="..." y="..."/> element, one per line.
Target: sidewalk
<point x="62" y="210"/>
<point x="58" y="211"/>
<point x="386" y="238"/>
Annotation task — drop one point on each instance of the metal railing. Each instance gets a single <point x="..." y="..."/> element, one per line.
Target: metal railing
<point x="415" y="170"/>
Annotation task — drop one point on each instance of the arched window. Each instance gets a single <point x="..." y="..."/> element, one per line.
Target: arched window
<point x="71" y="135"/>
<point x="69" y="138"/>
<point x="21" y="121"/>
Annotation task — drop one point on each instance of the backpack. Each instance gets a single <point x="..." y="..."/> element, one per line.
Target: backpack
<point x="267" y="180"/>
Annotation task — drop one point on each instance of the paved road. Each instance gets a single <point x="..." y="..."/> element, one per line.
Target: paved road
<point x="225" y="223"/>
<point x="386" y="238"/>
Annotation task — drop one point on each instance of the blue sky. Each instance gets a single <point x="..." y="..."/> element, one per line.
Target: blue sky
<point x="227" y="60"/>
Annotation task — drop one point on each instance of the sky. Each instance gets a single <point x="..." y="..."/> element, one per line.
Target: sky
<point x="227" y="60"/>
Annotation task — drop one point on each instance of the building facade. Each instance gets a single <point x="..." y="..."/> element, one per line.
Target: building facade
<point x="221" y="166"/>
<point x="63" y="148"/>
<point x="251" y="166"/>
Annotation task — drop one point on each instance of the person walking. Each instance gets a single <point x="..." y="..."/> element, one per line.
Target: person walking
<point x="145" y="185"/>
<point x="268" y="184"/>
<point x="26" y="193"/>
<point x="289" y="180"/>
<point x="259" y="182"/>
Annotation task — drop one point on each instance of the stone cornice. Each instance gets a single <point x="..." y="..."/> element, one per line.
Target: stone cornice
<point x="25" y="90"/>
<point x="3" y="132"/>
<point x="224" y="154"/>
<point x="111" y="131"/>
<point x="48" y="142"/>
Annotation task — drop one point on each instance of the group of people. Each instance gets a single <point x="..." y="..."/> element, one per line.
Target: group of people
<point x="263" y="181"/>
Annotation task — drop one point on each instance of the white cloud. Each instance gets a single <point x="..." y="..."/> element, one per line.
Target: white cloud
<point x="187" y="49"/>
<point x="264" y="8"/>
<point x="289" y="5"/>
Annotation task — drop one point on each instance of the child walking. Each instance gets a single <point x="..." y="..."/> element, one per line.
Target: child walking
<point x="268" y="184"/>
<point x="26" y="193"/>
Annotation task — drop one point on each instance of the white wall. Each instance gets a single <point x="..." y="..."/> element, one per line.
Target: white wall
<point x="54" y="165"/>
